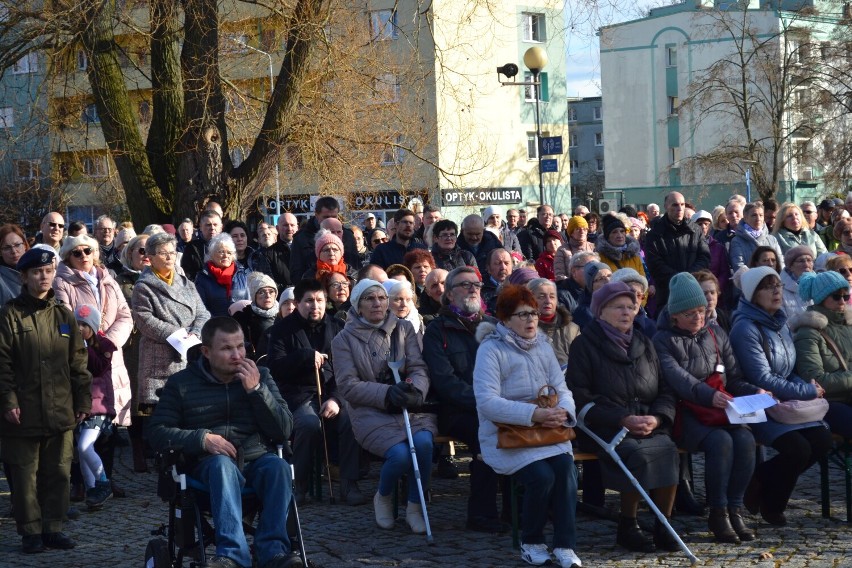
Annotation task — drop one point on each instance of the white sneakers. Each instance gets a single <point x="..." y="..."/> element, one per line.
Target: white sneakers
<point x="567" y="558"/>
<point x="384" y="510"/>
<point x="414" y="518"/>
<point x="537" y="554"/>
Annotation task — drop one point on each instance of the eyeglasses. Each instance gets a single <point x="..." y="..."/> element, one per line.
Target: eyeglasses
<point x="694" y="314"/>
<point x="379" y="299"/>
<point x="804" y="260"/>
<point x="808" y="211"/>
<point x="223" y="252"/>
<point x="10" y="248"/>
<point x="772" y="287"/>
<point x="267" y="292"/>
<point x="526" y="316"/>
<point x="106" y="229"/>
<point x="78" y="253"/>
<point x="448" y="236"/>
<point x="56" y="225"/>
<point x="166" y="253"/>
<point x="468" y="285"/>
<point x="840" y="296"/>
<point x="338" y="285"/>
<point x="330" y="250"/>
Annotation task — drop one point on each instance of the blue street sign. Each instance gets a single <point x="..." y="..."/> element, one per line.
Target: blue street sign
<point x="551" y="145"/>
<point x="549" y="166"/>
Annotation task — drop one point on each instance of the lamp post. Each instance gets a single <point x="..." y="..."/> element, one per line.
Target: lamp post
<point x="271" y="90"/>
<point x="535" y="59"/>
<point x="748" y="178"/>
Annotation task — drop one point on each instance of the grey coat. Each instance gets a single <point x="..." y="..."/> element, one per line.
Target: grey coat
<point x="158" y="311"/>
<point x="361" y="353"/>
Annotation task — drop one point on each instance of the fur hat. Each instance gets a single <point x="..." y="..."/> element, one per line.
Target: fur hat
<point x="818" y="287"/>
<point x="794" y="253"/>
<point x="576" y="222"/>
<point x="89" y="315"/>
<point x="608" y="292"/>
<point x="325" y="238"/>
<point x="257" y="280"/>
<point x="361" y="287"/>
<point x="685" y="293"/>
<point x="70" y="243"/>
<point x="750" y="278"/>
<point x="628" y="275"/>
<point x="590" y="271"/>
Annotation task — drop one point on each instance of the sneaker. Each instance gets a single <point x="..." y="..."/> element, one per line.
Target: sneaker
<point x="350" y="493"/>
<point x="535" y="554"/>
<point x="291" y="560"/>
<point x="222" y="562"/>
<point x="567" y="558"/>
<point x="32" y="544"/>
<point x="414" y="518"/>
<point x="57" y="540"/>
<point x="97" y="495"/>
<point x="447" y="468"/>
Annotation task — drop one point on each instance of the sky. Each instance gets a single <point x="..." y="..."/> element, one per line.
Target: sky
<point x="583" y="50"/>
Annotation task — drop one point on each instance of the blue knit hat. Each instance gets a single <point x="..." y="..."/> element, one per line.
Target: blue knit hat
<point x="590" y="271"/>
<point x="818" y="286"/>
<point x="685" y="293"/>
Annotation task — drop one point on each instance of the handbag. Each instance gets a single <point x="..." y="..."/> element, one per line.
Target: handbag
<point x="710" y="415"/>
<point x="798" y="411"/>
<point x="511" y="436"/>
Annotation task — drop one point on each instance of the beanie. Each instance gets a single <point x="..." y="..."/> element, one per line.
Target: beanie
<point x="361" y="287"/>
<point x="752" y="277"/>
<point x="794" y="253"/>
<point x="818" y="287"/>
<point x="551" y="234"/>
<point x="520" y="276"/>
<point x="842" y="224"/>
<point x="489" y="211"/>
<point x="325" y="238"/>
<point x="611" y="223"/>
<point x="628" y="275"/>
<point x="89" y="315"/>
<point x="287" y="295"/>
<point x="685" y="293"/>
<point x="577" y="222"/>
<point x="590" y="271"/>
<point x="258" y="280"/>
<point x="822" y="260"/>
<point x="70" y="243"/>
<point x="608" y="292"/>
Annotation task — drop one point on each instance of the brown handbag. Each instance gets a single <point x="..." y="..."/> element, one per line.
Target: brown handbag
<point x="511" y="436"/>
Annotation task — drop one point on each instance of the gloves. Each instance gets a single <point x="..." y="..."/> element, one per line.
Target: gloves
<point x="403" y="395"/>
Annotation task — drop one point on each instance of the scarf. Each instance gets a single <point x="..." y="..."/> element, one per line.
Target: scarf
<point x="755" y="233"/>
<point x="550" y="319"/>
<point x="323" y="266"/>
<point x="463" y="315"/>
<point x="621" y="340"/>
<point x="522" y="342"/>
<point x="574" y="244"/>
<point x="269" y="314"/>
<point x="168" y="278"/>
<point x="92" y="280"/>
<point x="223" y="276"/>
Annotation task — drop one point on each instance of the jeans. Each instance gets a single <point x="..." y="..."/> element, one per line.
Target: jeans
<point x="398" y="461"/>
<point x="549" y="485"/>
<point x="729" y="465"/>
<point x="270" y="477"/>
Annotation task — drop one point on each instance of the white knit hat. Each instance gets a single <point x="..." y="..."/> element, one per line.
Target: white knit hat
<point x="70" y="243"/>
<point x="361" y="287"/>
<point x="257" y="280"/>
<point x="752" y="277"/>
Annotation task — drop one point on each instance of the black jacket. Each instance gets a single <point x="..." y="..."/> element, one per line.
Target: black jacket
<point x="488" y="243"/>
<point x="670" y="249"/>
<point x="531" y="239"/>
<point x="192" y="260"/>
<point x="273" y="261"/>
<point x="290" y="357"/>
<point x="302" y="252"/>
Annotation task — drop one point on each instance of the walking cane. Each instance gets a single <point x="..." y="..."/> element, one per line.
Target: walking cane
<point x="395" y="366"/>
<point x="609" y="448"/>
<point x="324" y="439"/>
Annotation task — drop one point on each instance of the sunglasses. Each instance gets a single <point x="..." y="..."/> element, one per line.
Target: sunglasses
<point x="839" y="296"/>
<point x="141" y="251"/>
<point x="57" y="225"/>
<point x="377" y="241"/>
<point x="78" y="253"/>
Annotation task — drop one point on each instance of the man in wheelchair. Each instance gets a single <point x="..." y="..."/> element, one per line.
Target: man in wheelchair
<point x="227" y="416"/>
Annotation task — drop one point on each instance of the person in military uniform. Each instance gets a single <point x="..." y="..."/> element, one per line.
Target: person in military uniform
<point x="44" y="393"/>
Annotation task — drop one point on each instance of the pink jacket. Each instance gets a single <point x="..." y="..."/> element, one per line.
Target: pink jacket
<point x="73" y="290"/>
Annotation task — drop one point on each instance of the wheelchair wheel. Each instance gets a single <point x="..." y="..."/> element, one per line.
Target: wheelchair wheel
<point x="157" y="554"/>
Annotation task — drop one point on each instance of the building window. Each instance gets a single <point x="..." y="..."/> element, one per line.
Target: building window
<point x="600" y="164"/>
<point x="534" y="28"/>
<point x="572" y="139"/>
<point x="7" y="117"/>
<point x="386" y="88"/>
<point x="598" y="138"/>
<point x="90" y="114"/>
<point x="28" y="169"/>
<point x="674" y="156"/>
<point x="145" y="112"/>
<point x="532" y="147"/>
<point x="673" y="104"/>
<point x="392" y="154"/>
<point x="542" y="88"/>
<point x="26" y="64"/>
<point x="671" y="56"/>
<point x="575" y="166"/>
<point x="572" y="114"/>
<point x="96" y="166"/>
<point x="82" y="61"/>
<point x="597" y="114"/>
<point x="383" y="25"/>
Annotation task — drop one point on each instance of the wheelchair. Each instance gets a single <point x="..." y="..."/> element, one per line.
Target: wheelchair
<point x="189" y="532"/>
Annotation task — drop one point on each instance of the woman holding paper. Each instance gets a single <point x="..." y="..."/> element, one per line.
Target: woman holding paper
<point x="764" y="348"/>
<point x="823" y="336"/>
<point x="694" y="354"/>
<point x="164" y="302"/>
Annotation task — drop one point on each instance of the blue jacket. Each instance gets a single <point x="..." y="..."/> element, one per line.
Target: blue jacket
<point x="213" y="294"/>
<point x="392" y="252"/>
<point x="763" y="345"/>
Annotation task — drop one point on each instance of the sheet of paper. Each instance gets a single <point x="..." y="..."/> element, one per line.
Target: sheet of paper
<point x="751" y="403"/>
<point x="735" y="417"/>
<point x="182" y="341"/>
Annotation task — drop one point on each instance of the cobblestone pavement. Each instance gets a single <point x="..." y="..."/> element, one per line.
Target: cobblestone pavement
<point x="342" y="536"/>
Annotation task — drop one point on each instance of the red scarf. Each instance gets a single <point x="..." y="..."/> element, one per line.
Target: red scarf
<point x="223" y="276"/>
<point x="547" y="320"/>
<point x="323" y="266"/>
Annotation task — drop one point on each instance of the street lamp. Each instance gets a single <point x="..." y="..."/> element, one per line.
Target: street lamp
<point x="271" y="90"/>
<point x="535" y="59"/>
<point x="748" y="178"/>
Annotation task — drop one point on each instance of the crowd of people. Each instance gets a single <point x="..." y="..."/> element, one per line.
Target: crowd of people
<point x="658" y="317"/>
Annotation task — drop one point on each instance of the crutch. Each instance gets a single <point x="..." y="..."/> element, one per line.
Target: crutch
<point x="295" y="511"/>
<point x="324" y="439"/>
<point x="395" y="366"/>
<point x="610" y="450"/>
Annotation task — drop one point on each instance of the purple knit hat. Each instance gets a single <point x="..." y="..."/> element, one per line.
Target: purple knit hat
<point x="607" y="293"/>
<point x="521" y="276"/>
